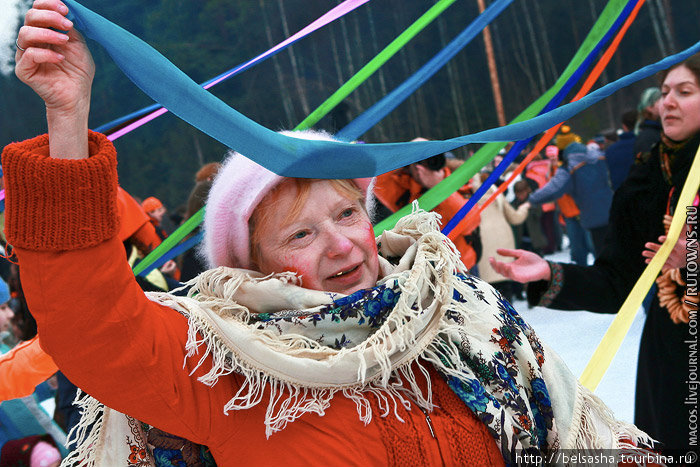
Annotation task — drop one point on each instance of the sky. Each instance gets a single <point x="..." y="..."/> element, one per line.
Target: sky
<point x="9" y="17"/>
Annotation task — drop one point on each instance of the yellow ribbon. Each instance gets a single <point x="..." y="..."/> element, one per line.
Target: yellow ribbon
<point x="612" y="340"/>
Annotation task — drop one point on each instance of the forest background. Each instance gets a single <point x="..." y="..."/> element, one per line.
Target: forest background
<point x="533" y="42"/>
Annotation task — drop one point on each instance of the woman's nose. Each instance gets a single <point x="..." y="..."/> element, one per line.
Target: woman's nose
<point x="668" y="100"/>
<point x="338" y="243"/>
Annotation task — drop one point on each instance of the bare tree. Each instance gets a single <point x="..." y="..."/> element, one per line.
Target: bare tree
<point x="546" y="49"/>
<point x="301" y="90"/>
<point x="463" y="70"/>
<point x="455" y="93"/>
<point x="493" y="72"/>
<point x="665" y="23"/>
<point x="336" y="59"/>
<point x="604" y="75"/>
<point x="535" y="47"/>
<point x="416" y="119"/>
<point x="522" y="57"/>
<point x="657" y="29"/>
<point x="388" y="122"/>
<point x="286" y="99"/>
<point x="348" y="49"/>
<point x="317" y="66"/>
<point x="198" y="150"/>
<point x="369" y="88"/>
<point x="669" y="22"/>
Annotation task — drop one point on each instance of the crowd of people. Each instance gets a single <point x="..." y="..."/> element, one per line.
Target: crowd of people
<point x="293" y="326"/>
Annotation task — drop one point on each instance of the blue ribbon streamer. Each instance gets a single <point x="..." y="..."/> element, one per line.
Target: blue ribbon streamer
<point x="172" y="253"/>
<point x="223" y="77"/>
<point x="553" y="103"/>
<point x="293" y="157"/>
<point x="106" y="127"/>
<point x="388" y="103"/>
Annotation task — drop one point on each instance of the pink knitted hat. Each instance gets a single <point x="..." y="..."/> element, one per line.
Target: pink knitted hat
<point x="237" y="190"/>
<point x="44" y="454"/>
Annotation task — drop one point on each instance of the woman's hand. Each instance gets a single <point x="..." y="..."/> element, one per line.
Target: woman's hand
<point x="59" y="68"/>
<point x="527" y="267"/>
<point x="678" y="256"/>
<point x="168" y="267"/>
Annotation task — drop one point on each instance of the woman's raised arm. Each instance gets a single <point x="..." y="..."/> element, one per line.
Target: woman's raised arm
<point x="59" y="68"/>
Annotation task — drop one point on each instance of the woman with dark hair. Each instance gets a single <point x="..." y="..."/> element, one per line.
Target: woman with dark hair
<point x="639" y="217"/>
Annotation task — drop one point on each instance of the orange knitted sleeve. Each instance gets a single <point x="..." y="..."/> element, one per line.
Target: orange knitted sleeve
<point x="76" y="197"/>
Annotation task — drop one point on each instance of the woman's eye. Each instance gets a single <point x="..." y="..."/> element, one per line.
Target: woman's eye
<point x="299" y="235"/>
<point x="348" y="212"/>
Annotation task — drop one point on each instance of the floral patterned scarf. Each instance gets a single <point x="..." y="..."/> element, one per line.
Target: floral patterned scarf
<point x="500" y="376"/>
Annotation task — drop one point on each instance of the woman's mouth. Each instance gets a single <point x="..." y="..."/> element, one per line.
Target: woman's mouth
<point x="348" y="275"/>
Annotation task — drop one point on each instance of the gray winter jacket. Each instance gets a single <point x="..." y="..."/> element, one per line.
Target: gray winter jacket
<point x="585" y="177"/>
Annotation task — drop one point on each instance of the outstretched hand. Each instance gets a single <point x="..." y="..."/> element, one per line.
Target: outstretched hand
<point x="678" y="256"/>
<point x="59" y="68"/>
<point x="527" y="267"/>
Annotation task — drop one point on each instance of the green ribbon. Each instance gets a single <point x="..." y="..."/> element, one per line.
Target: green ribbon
<point x="171" y="241"/>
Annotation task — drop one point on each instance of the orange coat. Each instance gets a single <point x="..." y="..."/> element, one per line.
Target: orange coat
<point x="397" y="188"/>
<point x="128" y="352"/>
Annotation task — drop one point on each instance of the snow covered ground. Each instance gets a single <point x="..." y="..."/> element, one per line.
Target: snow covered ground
<point x="574" y="335"/>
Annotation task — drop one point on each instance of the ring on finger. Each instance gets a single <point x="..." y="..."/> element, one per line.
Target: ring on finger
<point x="17" y="45"/>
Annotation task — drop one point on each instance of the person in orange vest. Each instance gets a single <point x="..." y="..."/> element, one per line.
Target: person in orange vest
<point x="155" y="210"/>
<point x="400" y="187"/>
<point x="151" y="230"/>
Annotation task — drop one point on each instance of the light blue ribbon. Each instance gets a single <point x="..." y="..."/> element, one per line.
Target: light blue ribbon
<point x="292" y="157"/>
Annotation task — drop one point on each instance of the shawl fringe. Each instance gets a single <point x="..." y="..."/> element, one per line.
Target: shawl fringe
<point x="87" y="434"/>
<point x="590" y="413"/>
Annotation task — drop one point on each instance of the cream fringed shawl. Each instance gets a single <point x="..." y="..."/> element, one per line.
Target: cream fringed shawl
<point x="297" y="349"/>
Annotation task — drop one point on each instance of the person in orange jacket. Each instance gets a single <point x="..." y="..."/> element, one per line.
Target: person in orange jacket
<point x="156" y="211"/>
<point x="400" y="187"/>
<point x="140" y="237"/>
